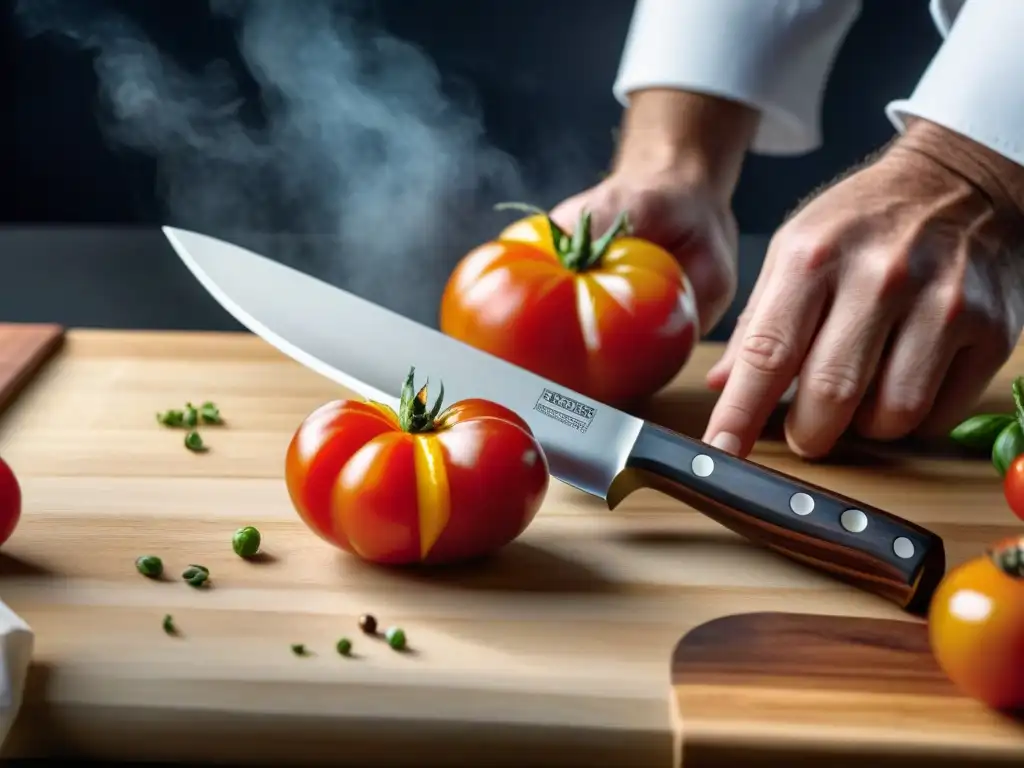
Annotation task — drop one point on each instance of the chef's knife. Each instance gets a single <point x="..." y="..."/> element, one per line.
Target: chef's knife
<point x="589" y="445"/>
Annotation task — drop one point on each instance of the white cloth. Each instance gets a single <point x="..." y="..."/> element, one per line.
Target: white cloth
<point x="775" y="55"/>
<point x="16" y="641"/>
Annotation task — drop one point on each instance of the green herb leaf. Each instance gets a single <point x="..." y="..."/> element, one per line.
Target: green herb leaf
<point x="168" y="625"/>
<point x="1007" y="447"/>
<point x="299" y="649"/>
<point x="1018" y="398"/>
<point x="191" y="415"/>
<point x="978" y="433"/>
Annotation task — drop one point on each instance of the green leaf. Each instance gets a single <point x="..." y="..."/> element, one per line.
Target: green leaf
<point x="1007" y="447"/>
<point x="979" y="433"/>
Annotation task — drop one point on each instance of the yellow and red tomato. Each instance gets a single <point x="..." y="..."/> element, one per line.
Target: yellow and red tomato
<point x="416" y="486"/>
<point x="976" y="626"/>
<point x="10" y="502"/>
<point x="613" y="319"/>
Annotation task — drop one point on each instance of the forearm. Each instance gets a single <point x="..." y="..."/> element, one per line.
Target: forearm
<point x="971" y="95"/>
<point x="698" y="138"/>
<point x="996" y="177"/>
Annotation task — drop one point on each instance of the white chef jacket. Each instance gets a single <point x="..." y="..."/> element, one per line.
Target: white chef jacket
<point x="775" y="55"/>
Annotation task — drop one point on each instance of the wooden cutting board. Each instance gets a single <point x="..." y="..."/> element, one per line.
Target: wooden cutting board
<point x="761" y="689"/>
<point x="24" y="348"/>
<point x="553" y="653"/>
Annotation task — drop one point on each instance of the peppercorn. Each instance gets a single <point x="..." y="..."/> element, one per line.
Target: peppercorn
<point x="368" y="624"/>
<point x="344" y="646"/>
<point x="298" y="649"/>
<point x="396" y="638"/>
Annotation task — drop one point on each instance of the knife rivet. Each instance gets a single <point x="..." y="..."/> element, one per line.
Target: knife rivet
<point x="853" y="520"/>
<point x="801" y="504"/>
<point x="702" y="465"/>
<point x="903" y="547"/>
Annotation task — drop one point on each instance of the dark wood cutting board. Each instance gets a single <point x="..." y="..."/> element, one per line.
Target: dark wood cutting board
<point x="760" y="689"/>
<point x="23" y="350"/>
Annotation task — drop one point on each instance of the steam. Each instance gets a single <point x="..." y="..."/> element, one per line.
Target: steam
<point x="336" y="129"/>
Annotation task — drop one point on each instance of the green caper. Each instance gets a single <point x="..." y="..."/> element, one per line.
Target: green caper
<point x="150" y="566"/>
<point x="344" y="646"/>
<point x="246" y="541"/>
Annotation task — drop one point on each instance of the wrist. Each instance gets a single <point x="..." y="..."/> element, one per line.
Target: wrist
<point x="700" y="140"/>
<point x="999" y="180"/>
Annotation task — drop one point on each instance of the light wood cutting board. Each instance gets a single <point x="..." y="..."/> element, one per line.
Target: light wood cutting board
<point x="555" y="652"/>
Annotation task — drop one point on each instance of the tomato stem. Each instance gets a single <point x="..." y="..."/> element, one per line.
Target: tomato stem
<point x="1009" y="557"/>
<point x="579" y="251"/>
<point x="413" y="415"/>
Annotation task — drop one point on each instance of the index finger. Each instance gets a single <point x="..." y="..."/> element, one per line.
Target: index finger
<point x="768" y="357"/>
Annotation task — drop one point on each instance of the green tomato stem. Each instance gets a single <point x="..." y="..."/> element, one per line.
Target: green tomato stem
<point x="413" y="415"/>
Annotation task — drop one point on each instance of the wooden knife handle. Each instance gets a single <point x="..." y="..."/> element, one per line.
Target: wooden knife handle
<point x="853" y="541"/>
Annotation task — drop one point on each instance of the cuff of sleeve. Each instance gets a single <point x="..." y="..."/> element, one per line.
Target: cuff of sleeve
<point x="773" y="56"/>
<point x="970" y="86"/>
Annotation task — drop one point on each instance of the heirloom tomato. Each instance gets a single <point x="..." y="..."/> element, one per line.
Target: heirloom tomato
<point x="976" y="626"/>
<point x="417" y="486"/>
<point x="613" y="319"/>
<point x="10" y="502"/>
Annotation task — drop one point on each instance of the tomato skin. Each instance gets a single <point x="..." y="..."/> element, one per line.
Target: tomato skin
<point x="617" y="332"/>
<point x="1013" y="486"/>
<point x="10" y="502"/>
<point x="976" y="628"/>
<point x="361" y="483"/>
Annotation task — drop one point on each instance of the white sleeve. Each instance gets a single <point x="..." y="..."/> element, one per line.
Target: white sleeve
<point x="973" y="86"/>
<point x="774" y="55"/>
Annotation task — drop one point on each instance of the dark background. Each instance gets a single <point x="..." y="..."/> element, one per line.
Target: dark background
<point x="79" y="244"/>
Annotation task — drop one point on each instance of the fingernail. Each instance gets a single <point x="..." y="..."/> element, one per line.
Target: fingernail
<point x="726" y="441"/>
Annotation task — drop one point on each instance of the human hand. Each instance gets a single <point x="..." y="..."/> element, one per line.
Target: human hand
<point x="894" y="296"/>
<point x="677" y="166"/>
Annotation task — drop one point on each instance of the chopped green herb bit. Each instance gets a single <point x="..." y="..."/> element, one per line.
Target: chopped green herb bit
<point x="194" y="442"/>
<point x="169" y="627"/>
<point x="196" y="575"/>
<point x="299" y="649"/>
<point x="171" y="418"/>
<point x="344" y="646"/>
<point x="210" y="413"/>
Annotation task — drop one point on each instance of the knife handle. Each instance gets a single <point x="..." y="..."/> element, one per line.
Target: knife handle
<point x="852" y="541"/>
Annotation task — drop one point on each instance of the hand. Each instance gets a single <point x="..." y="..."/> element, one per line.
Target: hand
<point x="676" y="169"/>
<point x="895" y="296"/>
<point x="682" y="217"/>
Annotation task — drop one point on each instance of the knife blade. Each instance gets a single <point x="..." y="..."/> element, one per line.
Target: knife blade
<point x="589" y="445"/>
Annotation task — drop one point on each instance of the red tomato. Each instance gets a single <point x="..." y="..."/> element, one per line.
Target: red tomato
<point x="976" y="625"/>
<point x="614" y="320"/>
<point x="416" y="486"/>
<point x="1013" y="486"/>
<point x="10" y="502"/>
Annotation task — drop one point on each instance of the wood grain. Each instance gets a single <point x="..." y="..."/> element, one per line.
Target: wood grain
<point x="554" y="652"/>
<point x="805" y="689"/>
<point x="24" y="348"/>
